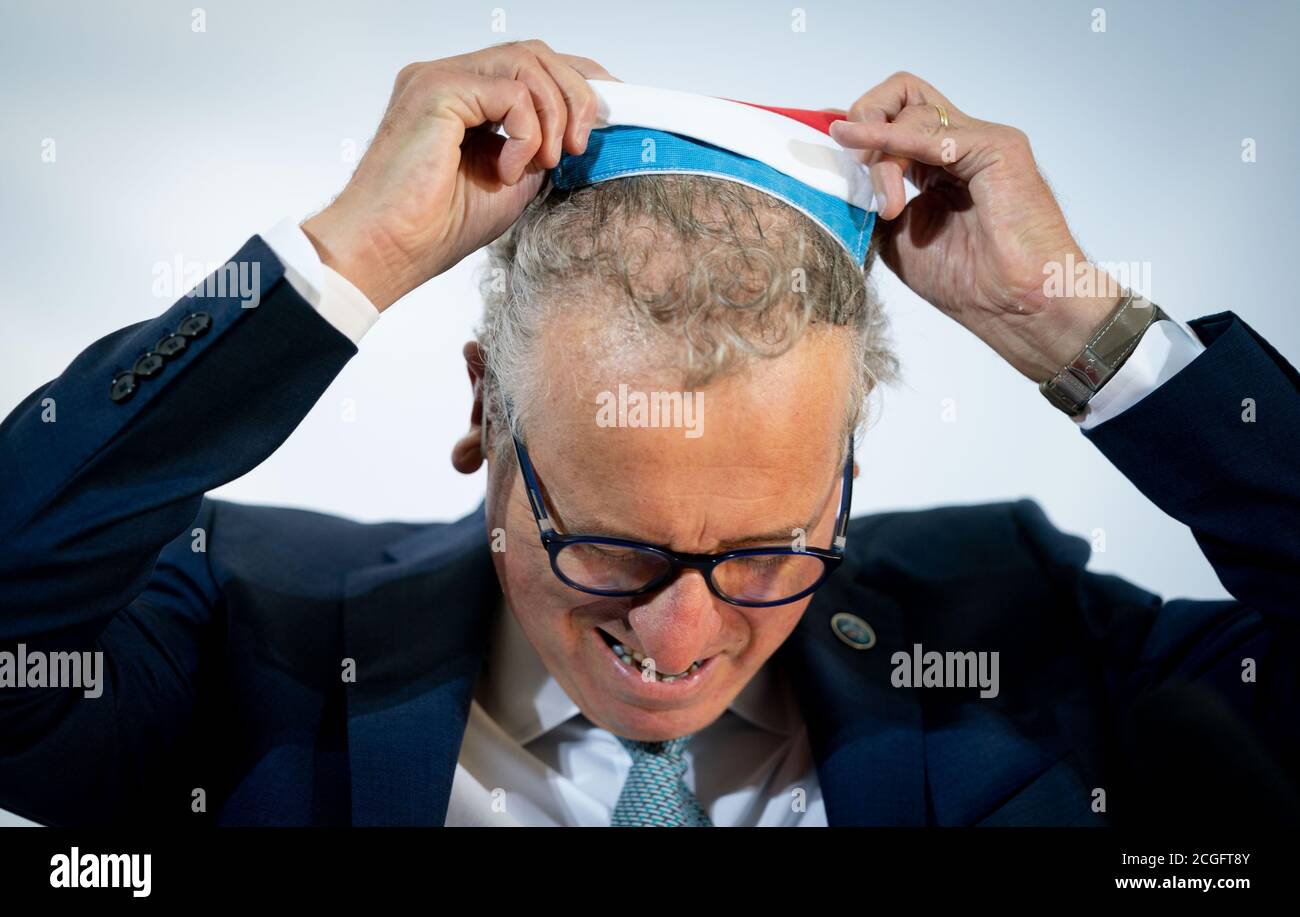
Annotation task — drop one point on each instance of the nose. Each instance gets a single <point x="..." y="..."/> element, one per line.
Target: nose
<point x="678" y="624"/>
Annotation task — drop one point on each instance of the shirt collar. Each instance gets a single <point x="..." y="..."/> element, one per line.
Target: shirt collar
<point x="526" y="701"/>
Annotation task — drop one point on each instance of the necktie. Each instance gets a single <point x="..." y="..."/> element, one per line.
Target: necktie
<point x="654" y="794"/>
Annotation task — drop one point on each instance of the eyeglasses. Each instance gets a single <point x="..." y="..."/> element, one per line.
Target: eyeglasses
<point x="751" y="577"/>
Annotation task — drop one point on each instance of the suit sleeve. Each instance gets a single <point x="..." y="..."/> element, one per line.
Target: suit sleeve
<point x="104" y="526"/>
<point x="1203" y="693"/>
<point x="1217" y="447"/>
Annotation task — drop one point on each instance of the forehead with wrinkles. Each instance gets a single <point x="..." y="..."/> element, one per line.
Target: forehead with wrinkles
<point x="769" y="445"/>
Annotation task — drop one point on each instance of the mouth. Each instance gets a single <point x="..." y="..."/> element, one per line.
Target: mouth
<point x="632" y="660"/>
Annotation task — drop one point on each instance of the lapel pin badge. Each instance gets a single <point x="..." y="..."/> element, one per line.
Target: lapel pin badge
<point x="853" y="631"/>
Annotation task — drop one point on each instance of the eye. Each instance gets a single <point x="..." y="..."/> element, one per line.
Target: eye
<point x="761" y="561"/>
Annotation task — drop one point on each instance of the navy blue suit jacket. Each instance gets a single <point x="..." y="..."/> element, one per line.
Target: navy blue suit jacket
<point x="224" y="666"/>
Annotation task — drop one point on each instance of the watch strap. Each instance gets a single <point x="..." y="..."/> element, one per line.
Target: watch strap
<point x="1073" y="387"/>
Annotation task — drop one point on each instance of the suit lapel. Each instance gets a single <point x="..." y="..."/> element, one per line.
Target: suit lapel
<point x="416" y="629"/>
<point x="866" y="735"/>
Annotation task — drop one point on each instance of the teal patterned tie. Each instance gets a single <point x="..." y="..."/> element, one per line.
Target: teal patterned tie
<point x="654" y="794"/>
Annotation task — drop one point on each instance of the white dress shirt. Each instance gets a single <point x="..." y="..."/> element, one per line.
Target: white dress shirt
<point x="529" y="756"/>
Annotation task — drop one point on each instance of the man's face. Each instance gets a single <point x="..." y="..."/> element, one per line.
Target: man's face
<point x="768" y="461"/>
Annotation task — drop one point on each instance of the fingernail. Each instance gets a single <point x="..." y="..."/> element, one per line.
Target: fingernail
<point x="878" y="189"/>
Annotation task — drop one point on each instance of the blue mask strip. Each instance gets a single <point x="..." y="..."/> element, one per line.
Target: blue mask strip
<point x="616" y="152"/>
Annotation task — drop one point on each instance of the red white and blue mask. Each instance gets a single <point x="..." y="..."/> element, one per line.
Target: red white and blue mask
<point x="785" y="152"/>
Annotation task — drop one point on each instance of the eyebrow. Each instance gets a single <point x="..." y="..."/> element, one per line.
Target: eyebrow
<point x="597" y="529"/>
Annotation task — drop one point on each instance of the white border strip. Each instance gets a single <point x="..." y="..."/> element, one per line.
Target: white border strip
<point x="789" y="146"/>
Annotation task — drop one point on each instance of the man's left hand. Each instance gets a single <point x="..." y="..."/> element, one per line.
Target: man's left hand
<point x="979" y="240"/>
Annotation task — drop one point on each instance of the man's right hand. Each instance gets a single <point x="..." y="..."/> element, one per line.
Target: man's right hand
<point x="437" y="183"/>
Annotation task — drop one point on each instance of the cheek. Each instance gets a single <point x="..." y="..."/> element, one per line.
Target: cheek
<point x="769" y="630"/>
<point x="526" y="567"/>
<point x="526" y="564"/>
<point x="522" y="564"/>
<point x="540" y="601"/>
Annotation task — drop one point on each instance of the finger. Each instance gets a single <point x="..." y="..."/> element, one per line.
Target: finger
<point x="510" y="103"/>
<point x="525" y="62"/>
<point x="883" y="103"/>
<point x="580" y="102"/>
<point x="578" y="97"/>
<point x="961" y="150"/>
<point x="880" y="105"/>
<point x="887" y="172"/>
<point x="588" y="68"/>
<point x="886" y="181"/>
<point x="887" y="185"/>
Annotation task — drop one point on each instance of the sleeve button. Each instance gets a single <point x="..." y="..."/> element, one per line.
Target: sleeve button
<point x="123" y="387"/>
<point x="170" y="345"/>
<point x="150" y="364"/>
<point x="195" y="325"/>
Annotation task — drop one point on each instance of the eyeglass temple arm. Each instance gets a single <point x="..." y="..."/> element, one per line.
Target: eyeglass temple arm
<point x="534" y="492"/>
<point x="846" y="502"/>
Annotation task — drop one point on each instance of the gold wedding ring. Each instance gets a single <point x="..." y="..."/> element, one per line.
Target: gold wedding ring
<point x="943" y="115"/>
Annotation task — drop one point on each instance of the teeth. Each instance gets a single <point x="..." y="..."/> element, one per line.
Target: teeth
<point x="632" y="659"/>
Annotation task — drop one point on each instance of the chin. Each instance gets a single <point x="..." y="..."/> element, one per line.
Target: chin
<point x="647" y="722"/>
<point x="655" y="725"/>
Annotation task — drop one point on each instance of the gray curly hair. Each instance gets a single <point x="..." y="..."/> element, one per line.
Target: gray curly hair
<point x="727" y="271"/>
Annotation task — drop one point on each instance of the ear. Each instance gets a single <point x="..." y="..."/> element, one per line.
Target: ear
<point x="469" y="452"/>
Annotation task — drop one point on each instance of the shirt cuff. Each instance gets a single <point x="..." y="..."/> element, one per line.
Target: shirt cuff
<point x="325" y="289"/>
<point x="1167" y="347"/>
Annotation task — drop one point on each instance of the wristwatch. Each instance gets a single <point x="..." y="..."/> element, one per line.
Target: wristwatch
<point x="1073" y="387"/>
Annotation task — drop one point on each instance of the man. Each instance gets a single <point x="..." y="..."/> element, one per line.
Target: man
<point x="648" y="621"/>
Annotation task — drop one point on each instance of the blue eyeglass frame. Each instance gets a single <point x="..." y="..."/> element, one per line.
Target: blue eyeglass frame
<point x="554" y="542"/>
